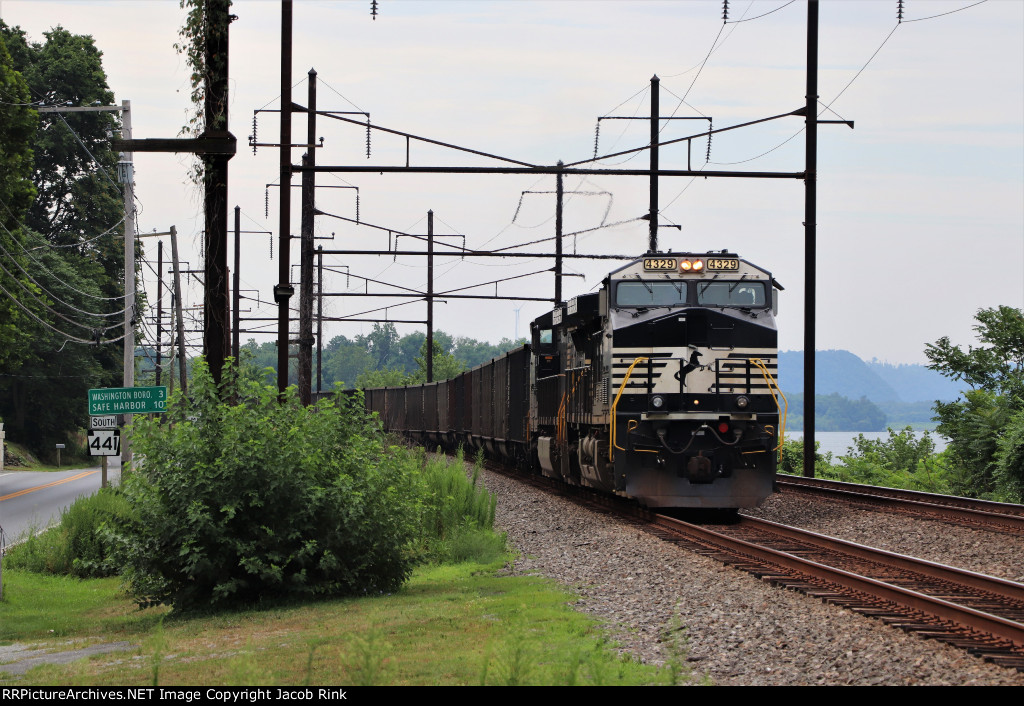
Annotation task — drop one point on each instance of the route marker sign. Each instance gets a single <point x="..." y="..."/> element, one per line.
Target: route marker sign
<point x="104" y="442"/>
<point x="127" y="400"/>
<point x="103" y="422"/>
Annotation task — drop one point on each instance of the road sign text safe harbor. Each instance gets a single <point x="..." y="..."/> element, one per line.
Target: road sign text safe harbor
<point x="127" y="400"/>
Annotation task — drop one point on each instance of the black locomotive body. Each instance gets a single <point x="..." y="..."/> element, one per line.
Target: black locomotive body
<point x="660" y="387"/>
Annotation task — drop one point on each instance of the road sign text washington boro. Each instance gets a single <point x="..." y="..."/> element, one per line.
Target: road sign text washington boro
<point x="127" y="400"/>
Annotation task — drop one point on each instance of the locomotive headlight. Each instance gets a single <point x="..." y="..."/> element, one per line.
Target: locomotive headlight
<point x="698" y="265"/>
<point x="685" y="265"/>
<point x="742" y="401"/>
<point x="658" y="402"/>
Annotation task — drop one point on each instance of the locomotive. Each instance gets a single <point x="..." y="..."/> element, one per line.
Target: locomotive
<point x="659" y="387"/>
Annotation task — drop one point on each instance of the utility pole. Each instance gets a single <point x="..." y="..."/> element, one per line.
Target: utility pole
<point x="159" y="309"/>
<point x="319" y="316"/>
<point x="559" y="193"/>
<point x="126" y="172"/>
<point x="170" y="353"/>
<point x="216" y="146"/>
<point x="283" y="290"/>
<point x="810" y="233"/>
<point x="177" y="310"/>
<point x="236" y="301"/>
<point x="655" y="108"/>
<point x="430" y="296"/>
<point x="215" y="178"/>
<point x="305" y="367"/>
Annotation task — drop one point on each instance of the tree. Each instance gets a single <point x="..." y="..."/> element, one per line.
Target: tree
<point x="997" y="367"/>
<point x="344" y="359"/>
<point x="44" y="397"/>
<point x="74" y="168"/>
<point x="62" y="270"/>
<point x="383" y="344"/>
<point x="986" y="455"/>
<point x="445" y="365"/>
<point x="17" y="123"/>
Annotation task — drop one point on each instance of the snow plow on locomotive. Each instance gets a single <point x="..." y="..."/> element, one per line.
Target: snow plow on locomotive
<point x="659" y="387"/>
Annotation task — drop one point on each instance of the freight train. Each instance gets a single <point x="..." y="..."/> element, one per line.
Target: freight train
<point x="661" y="387"/>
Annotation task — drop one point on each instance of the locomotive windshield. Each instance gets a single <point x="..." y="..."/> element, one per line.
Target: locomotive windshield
<point x="737" y="293"/>
<point x="650" y="293"/>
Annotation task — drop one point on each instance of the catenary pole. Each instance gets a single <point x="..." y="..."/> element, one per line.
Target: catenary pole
<point x="430" y="296"/>
<point x="305" y="362"/>
<point x="283" y="291"/>
<point x="653" y="208"/>
<point x="810" y="234"/>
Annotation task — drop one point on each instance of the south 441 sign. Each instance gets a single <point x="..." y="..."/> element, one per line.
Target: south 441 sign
<point x="104" y="442"/>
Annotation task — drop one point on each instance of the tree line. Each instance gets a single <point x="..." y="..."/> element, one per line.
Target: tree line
<point x="382" y="357"/>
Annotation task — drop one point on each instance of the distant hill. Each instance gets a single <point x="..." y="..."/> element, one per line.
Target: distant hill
<point x="837" y="372"/>
<point x="843" y="373"/>
<point x="916" y="383"/>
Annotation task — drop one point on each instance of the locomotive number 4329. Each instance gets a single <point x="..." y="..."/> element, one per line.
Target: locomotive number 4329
<point x="658" y="264"/>
<point x="719" y="264"/>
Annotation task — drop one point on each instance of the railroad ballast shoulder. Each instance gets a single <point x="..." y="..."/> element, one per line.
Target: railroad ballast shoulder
<point x="660" y="387"/>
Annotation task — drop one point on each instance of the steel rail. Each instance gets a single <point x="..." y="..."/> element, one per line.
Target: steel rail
<point x="945" y="610"/>
<point x="954" y="508"/>
<point x="1009" y="590"/>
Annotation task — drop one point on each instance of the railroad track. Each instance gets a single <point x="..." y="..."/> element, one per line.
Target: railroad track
<point x="980" y="514"/>
<point x="981" y="614"/>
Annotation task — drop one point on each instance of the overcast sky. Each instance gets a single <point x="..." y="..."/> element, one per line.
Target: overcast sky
<point x="920" y="208"/>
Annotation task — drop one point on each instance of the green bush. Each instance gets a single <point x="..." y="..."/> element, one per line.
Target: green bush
<point x="791" y="460"/>
<point x="901" y="461"/>
<point x="79" y="544"/>
<point x="262" y="498"/>
<point x="1009" y="465"/>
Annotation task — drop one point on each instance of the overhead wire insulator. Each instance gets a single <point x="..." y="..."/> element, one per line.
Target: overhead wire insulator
<point x="373" y="9"/>
<point x="271" y="247"/>
<point x="597" y="136"/>
<point x="357" y="207"/>
<point x="899" y="11"/>
<point x="711" y="126"/>
<point x="725" y="10"/>
<point x="254" y="132"/>
<point x="367" y="136"/>
<point x="266" y="202"/>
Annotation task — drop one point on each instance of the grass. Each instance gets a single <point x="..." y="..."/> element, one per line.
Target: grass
<point x="451" y="625"/>
<point x="69" y="460"/>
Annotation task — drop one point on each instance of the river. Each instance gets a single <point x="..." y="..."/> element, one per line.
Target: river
<point x="839" y="442"/>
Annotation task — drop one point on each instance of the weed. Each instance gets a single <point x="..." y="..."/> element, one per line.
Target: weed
<point x="158" y="643"/>
<point x="368" y="666"/>
<point x="518" y="664"/>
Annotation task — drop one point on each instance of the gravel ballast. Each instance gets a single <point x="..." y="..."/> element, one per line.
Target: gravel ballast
<point x="741" y="630"/>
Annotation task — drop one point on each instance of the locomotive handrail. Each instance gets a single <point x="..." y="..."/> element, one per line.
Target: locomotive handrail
<point x="772" y="382"/>
<point x="561" y="425"/>
<point x="615" y="404"/>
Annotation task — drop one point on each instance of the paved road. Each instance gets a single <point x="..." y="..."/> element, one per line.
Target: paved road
<point x="31" y="500"/>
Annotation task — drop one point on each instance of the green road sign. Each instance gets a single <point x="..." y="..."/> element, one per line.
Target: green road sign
<point x="127" y="400"/>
